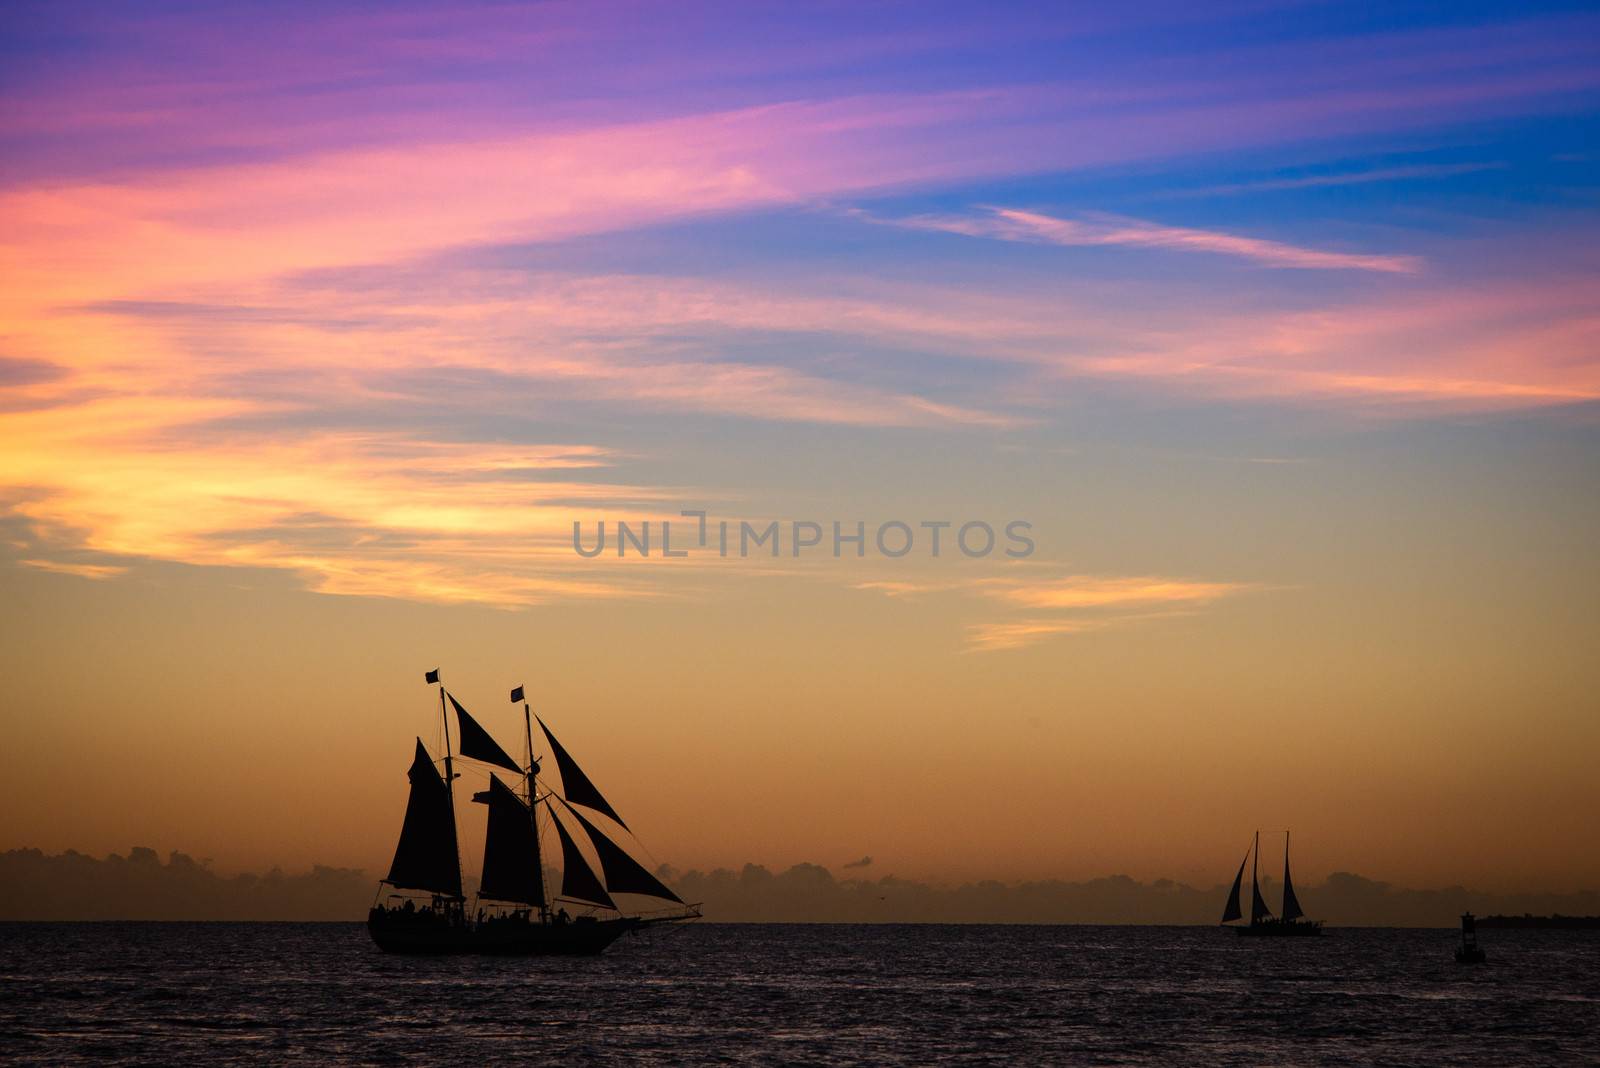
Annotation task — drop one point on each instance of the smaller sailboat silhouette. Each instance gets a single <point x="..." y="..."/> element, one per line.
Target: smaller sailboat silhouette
<point x="1262" y="921"/>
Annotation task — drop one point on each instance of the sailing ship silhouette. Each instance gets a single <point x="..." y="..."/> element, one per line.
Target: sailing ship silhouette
<point x="424" y="909"/>
<point x="1262" y="921"/>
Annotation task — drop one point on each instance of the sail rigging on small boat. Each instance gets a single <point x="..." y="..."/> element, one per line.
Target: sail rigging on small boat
<point x="1258" y="904"/>
<point x="1291" y="904"/>
<point x="1262" y="921"/>
<point x="513" y="914"/>
<point x="1231" y="910"/>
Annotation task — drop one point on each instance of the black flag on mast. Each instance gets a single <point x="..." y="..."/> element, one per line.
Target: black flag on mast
<point x="476" y="743"/>
<point x="516" y="695"/>
<point x="432" y="676"/>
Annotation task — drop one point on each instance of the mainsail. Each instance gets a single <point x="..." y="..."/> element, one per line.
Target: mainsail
<point x="1291" y="904"/>
<point x="624" y="875"/>
<point x="509" y="855"/>
<point x="578" y="880"/>
<point x="426" y="858"/>
<point x="575" y="785"/>
<point x="1232" y="911"/>
<point x="476" y="742"/>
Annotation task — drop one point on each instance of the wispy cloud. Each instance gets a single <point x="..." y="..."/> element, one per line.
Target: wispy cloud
<point x="65" y="567"/>
<point x="896" y="587"/>
<point x="1472" y="346"/>
<point x="1015" y="634"/>
<point x="1095" y="591"/>
<point x="1012" y="224"/>
<point x="1412" y="172"/>
<point x="1077" y="604"/>
<point x="1087" y="603"/>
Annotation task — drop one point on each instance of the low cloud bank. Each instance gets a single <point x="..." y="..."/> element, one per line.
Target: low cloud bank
<point x="808" y="892"/>
<point x="72" y="886"/>
<point x="139" y="886"/>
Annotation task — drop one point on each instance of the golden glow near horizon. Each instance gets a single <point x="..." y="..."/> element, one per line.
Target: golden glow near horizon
<point x="305" y="380"/>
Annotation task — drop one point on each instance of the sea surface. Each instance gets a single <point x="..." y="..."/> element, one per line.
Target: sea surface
<point x="291" y="993"/>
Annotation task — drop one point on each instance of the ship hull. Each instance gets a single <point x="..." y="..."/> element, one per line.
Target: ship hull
<point x="415" y="934"/>
<point x="1282" y="929"/>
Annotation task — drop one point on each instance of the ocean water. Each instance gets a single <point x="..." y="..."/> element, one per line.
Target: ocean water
<point x="218" y="993"/>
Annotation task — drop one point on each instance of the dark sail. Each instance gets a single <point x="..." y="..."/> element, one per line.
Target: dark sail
<point x="426" y="857"/>
<point x="624" y="875"/>
<point x="1258" y="904"/>
<point x="575" y="785"/>
<point x="1291" y="904"/>
<point x="476" y="743"/>
<point x="508" y="853"/>
<point x="1231" y="911"/>
<point x="578" y="880"/>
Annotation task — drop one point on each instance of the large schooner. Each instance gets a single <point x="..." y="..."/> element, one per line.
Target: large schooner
<point x="421" y="907"/>
<point x="1262" y="921"/>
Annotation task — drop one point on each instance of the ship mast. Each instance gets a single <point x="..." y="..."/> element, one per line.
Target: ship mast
<point x="1255" y="887"/>
<point x="449" y="773"/>
<point x="1288" y="887"/>
<point x="529" y="784"/>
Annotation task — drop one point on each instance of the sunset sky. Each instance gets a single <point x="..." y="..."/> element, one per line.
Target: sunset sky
<point x="1279" y="323"/>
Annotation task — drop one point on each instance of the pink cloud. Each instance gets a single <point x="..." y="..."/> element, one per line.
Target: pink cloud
<point x="1468" y="346"/>
<point x="1011" y="224"/>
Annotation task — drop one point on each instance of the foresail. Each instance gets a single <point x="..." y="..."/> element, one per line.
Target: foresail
<point x="477" y="743"/>
<point x="509" y="857"/>
<point x="624" y="875"/>
<point x="578" y="880"/>
<point x="575" y="785"/>
<point x="1231" y="911"/>
<point x="426" y="857"/>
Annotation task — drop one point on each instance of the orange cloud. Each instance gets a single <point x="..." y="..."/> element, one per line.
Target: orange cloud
<point x="350" y="513"/>
<point x="1092" y="591"/>
<point x="88" y="571"/>
<point x="1085" y="602"/>
<point x="992" y="637"/>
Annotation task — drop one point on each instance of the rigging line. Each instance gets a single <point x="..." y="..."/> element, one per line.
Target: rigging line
<point x="658" y="864"/>
<point x="579" y="835"/>
<point x="636" y="841"/>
